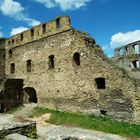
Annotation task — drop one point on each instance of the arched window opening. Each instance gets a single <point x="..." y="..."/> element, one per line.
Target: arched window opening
<point x="29" y="95"/>
<point x="100" y="83"/>
<point x="12" y="68"/>
<point x="76" y="58"/>
<point x="28" y="65"/>
<point x="121" y="52"/>
<point x="44" y="28"/>
<point x="51" y="62"/>
<point x="136" y="48"/>
<point x="32" y="32"/>
<point x="127" y="50"/>
<point x="10" y="53"/>
<point x="58" y="25"/>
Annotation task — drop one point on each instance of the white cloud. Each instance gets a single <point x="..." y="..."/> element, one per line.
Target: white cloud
<point x="64" y="4"/>
<point x="121" y="39"/>
<point x="10" y="7"/>
<point x="15" y="10"/>
<point x="18" y="30"/>
<point x="30" y="21"/>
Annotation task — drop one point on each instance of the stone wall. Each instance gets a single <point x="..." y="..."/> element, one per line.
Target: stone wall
<point x="64" y="69"/>
<point x="128" y="56"/>
<point x="50" y="28"/>
<point x="2" y="59"/>
<point x="91" y="86"/>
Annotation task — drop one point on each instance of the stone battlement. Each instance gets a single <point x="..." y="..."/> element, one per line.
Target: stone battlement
<point x="60" y="24"/>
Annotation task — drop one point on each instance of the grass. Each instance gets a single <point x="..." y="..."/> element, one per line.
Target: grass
<point x="12" y="110"/>
<point x="89" y="122"/>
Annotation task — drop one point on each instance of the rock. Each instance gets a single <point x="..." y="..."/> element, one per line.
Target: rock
<point x="10" y="125"/>
<point x="16" y="136"/>
<point x="71" y="133"/>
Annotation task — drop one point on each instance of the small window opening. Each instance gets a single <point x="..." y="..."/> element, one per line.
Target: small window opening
<point x="51" y="62"/>
<point x="10" y="53"/>
<point x="44" y="28"/>
<point x="32" y="32"/>
<point x="21" y="37"/>
<point x="100" y="82"/>
<point x="136" y="48"/>
<point x="28" y="66"/>
<point x="9" y="43"/>
<point x="58" y="25"/>
<point x="121" y="52"/>
<point x="76" y="58"/>
<point x="127" y="50"/>
<point x="103" y="112"/>
<point x="135" y="64"/>
<point x="13" y="41"/>
<point x="12" y="68"/>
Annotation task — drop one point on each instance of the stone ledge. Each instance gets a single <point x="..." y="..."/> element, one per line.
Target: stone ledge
<point x="10" y="125"/>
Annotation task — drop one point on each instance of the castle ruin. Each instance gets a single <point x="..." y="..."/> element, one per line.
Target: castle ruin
<point x="128" y="56"/>
<point x="58" y="67"/>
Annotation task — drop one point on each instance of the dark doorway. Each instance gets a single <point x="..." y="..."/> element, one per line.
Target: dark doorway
<point x="30" y="95"/>
<point x="13" y="93"/>
<point x="2" y="107"/>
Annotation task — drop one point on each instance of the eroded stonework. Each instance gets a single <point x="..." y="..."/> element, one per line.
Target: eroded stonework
<point x="65" y="69"/>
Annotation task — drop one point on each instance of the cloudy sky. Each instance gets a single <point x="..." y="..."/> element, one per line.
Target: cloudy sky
<point x="112" y="23"/>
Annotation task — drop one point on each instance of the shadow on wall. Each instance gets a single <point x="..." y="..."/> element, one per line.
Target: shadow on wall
<point x="29" y="95"/>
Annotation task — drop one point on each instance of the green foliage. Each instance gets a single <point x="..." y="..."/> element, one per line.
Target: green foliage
<point x="89" y="122"/>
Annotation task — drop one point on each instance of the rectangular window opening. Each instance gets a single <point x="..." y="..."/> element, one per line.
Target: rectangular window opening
<point x="28" y="65"/>
<point x="58" y="25"/>
<point x="51" y="62"/>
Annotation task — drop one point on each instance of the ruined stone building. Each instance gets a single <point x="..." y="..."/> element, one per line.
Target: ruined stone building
<point x="58" y="67"/>
<point x="128" y="56"/>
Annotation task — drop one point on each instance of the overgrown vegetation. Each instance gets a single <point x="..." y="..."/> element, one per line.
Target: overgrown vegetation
<point x="89" y="122"/>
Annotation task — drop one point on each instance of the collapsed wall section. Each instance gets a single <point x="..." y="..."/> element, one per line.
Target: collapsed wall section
<point x="128" y="56"/>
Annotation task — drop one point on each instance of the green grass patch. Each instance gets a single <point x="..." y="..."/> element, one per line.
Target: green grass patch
<point x="12" y="110"/>
<point x="89" y="122"/>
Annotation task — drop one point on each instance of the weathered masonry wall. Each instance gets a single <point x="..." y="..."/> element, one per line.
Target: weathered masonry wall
<point x="56" y="26"/>
<point x="128" y="56"/>
<point x="64" y="69"/>
<point x="68" y="71"/>
<point x="2" y="59"/>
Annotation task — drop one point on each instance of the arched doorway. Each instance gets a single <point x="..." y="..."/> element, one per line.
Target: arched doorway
<point x="29" y="95"/>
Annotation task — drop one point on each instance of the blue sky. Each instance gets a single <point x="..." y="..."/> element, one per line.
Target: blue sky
<point x="112" y="23"/>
